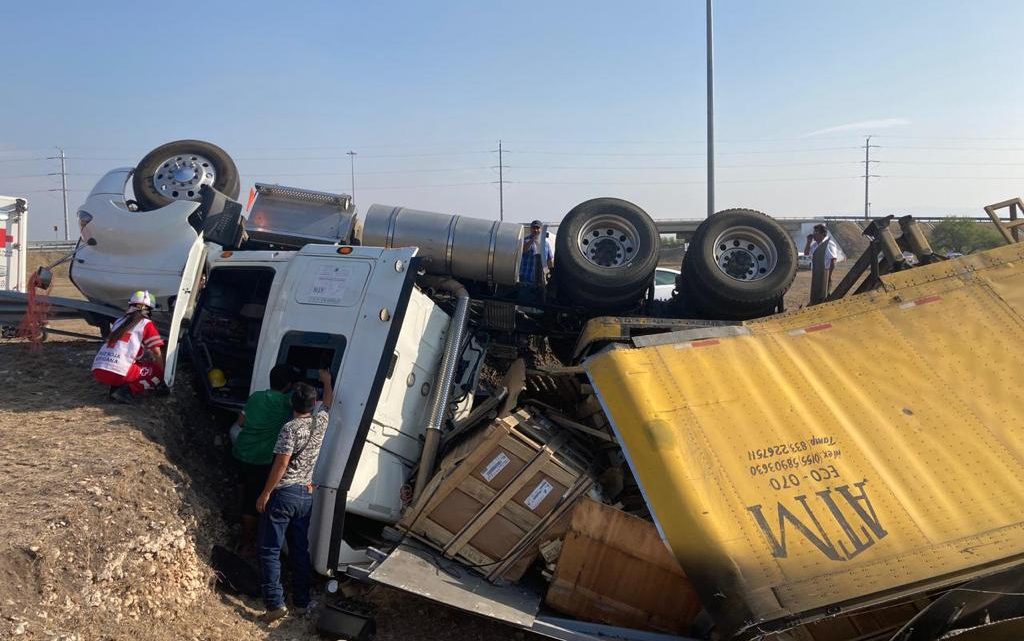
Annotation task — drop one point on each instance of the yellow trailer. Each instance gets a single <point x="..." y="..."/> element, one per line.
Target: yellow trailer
<point x="837" y="457"/>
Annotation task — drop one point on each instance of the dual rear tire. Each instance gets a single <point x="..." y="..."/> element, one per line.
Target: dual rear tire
<point x="739" y="264"/>
<point x="605" y="254"/>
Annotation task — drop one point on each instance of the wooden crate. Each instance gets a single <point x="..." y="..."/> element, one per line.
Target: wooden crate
<point x="615" y="569"/>
<point x="498" y="495"/>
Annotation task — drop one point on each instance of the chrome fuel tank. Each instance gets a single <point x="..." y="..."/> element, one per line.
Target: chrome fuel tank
<point x="470" y="248"/>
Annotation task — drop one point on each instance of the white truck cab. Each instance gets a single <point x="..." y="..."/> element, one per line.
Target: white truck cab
<point x="356" y="312"/>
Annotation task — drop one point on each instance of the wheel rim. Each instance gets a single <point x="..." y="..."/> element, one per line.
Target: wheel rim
<point x="180" y="177"/>
<point x="745" y="254"/>
<point x="608" y="241"/>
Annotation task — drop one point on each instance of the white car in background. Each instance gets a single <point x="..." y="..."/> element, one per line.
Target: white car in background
<point x="664" y="282"/>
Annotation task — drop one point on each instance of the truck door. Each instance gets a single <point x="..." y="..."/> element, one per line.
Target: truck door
<point x="190" y="275"/>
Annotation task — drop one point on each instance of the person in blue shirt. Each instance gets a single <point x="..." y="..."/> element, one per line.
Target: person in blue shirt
<point x="536" y="243"/>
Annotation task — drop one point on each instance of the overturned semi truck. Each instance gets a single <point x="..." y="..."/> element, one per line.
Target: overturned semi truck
<point x="576" y="458"/>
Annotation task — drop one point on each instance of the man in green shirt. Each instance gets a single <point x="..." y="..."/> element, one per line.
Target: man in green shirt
<point x="261" y="420"/>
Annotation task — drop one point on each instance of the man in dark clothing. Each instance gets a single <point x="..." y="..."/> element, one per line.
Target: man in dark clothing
<point x="287" y="499"/>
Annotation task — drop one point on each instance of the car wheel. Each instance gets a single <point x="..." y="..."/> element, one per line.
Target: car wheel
<point x="605" y="254"/>
<point x="177" y="170"/>
<point x="739" y="265"/>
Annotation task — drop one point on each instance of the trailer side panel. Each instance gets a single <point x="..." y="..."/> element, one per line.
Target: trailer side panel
<point x="841" y="455"/>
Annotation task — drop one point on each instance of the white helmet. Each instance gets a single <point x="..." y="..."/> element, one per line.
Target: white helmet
<point x="141" y="298"/>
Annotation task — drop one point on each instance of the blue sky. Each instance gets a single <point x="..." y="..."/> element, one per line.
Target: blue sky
<point x="590" y="99"/>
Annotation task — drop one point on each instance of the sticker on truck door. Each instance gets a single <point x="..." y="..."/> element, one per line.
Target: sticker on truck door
<point x="329" y="282"/>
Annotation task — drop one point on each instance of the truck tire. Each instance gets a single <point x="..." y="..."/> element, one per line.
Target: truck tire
<point x="176" y="171"/>
<point x="739" y="265"/>
<point x="695" y="303"/>
<point x="605" y="254"/>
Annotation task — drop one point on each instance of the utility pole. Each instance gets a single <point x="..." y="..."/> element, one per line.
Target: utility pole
<point x="501" y="180"/>
<point x="868" y="175"/>
<point x="63" y="187"/>
<point x="501" y="185"/>
<point x="711" y="112"/>
<point x="352" y="164"/>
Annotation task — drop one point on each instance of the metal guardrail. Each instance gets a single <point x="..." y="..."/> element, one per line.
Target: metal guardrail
<point x="52" y="245"/>
<point x="13" y="306"/>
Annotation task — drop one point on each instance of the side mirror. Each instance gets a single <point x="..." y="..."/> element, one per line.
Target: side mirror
<point x="44" y="278"/>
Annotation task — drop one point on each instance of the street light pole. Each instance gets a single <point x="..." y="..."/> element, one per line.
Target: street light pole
<point x="711" y="111"/>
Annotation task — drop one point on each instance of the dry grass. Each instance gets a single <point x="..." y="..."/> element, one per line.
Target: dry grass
<point x="110" y="513"/>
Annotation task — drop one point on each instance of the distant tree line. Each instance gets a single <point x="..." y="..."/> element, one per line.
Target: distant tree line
<point x="964" y="236"/>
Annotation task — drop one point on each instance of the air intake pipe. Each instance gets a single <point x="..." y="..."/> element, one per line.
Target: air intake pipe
<point x="443" y="385"/>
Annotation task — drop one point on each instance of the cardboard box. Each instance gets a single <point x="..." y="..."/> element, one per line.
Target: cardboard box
<point x="615" y="569"/>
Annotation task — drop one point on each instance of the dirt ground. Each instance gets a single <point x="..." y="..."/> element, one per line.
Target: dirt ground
<point x="111" y="512"/>
<point x="800" y="291"/>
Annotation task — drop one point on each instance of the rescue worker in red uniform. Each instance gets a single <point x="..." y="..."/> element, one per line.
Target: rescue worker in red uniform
<point x="131" y="360"/>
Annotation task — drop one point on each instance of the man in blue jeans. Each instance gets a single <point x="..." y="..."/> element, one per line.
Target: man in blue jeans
<point x="287" y="499"/>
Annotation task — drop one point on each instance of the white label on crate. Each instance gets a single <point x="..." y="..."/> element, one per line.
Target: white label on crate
<point x="495" y="467"/>
<point x="538" y="494"/>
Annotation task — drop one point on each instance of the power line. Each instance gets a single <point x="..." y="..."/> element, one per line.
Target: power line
<point x="428" y="155"/>
<point x="670" y="154"/>
<point x="1017" y="149"/>
<point x="21" y="159"/>
<point x="740" y="166"/>
<point x="684" y="182"/>
<point x="905" y="177"/>
<point x="50" y="191"/>
<point x="366" y="173"/>
<point x="990" y="138"/>
<point x="400" y="187"/>
<point x="962" y="164"/>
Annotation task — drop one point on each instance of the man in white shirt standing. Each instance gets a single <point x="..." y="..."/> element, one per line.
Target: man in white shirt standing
<point x="536" y="243"/>
<point x="818" y="237"/>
